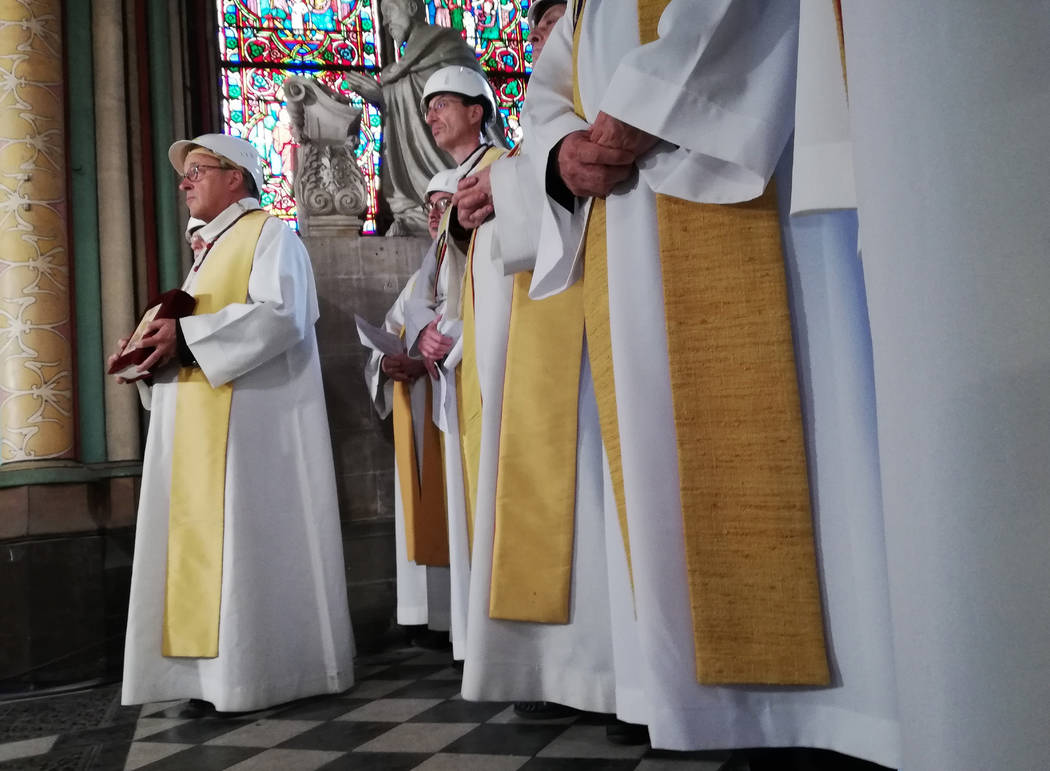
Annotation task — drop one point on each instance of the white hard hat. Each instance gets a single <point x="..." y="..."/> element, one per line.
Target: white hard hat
<point x="446" y="181"/>
<point x="239" y="152"/>
<point x="457" y="79"/>
<point x="538" y="8"/>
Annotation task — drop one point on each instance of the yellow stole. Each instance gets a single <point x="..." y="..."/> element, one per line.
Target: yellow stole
<point x="198" y="472"/>
<point x="468" y="385"/>
<point x="422" y="484"/>
<point x="748" y="529"/>
<point x="536" y="478"/>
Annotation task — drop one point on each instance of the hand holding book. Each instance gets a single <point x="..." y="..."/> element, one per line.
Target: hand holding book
<point x="153" y="341"/>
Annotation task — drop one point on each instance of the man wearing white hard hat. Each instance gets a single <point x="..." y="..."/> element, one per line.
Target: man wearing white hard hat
<point x="410" y="156"/>
<point x="540" y="622"/>
<point x="238" y="594"/>
<point x="457" y="103"/>
<point x="397" y="385"/>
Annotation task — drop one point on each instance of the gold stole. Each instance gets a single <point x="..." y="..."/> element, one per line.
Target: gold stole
<point x="748" y="529"/>
<point x="468" y="385"/>
<point x="198" y="473"/>
<point x="536" y="478"/>
<point x="422" y="484"/>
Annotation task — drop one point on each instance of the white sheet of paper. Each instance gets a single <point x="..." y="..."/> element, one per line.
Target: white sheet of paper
<point x="378" y="339"/>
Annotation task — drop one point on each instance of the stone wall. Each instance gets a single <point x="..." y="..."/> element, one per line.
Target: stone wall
<point x="363" y="276"/>
<point x="65" y="568"/>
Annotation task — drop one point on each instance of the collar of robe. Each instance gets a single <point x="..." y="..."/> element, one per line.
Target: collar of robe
<point x="472" y="160"/>
<point x="213" y="230"/>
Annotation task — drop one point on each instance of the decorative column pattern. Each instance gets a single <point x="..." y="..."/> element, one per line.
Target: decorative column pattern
<point x="36" y="363"/>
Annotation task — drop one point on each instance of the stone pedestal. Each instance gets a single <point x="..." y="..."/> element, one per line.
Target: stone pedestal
<point x="363" y="276"/>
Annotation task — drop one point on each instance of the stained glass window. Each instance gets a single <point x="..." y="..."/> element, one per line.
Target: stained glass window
<point x="498" y="31"/>
<point x="262" y="42"/>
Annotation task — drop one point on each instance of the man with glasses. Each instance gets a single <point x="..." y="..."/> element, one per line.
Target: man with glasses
<point x="457" y="105"/>
<point x="410" y="155"/>
<point x="238" y="594"/>
<point x="540" y="484"/>
<point x="397" y="386"/>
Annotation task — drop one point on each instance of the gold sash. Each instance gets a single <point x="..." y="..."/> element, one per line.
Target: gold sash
<point x="536" y="481"/>
<point x="468" y="385"/>
<point x="198" y="473"/>
<point x="748" y="529"/>
<point x="422" y="484"/>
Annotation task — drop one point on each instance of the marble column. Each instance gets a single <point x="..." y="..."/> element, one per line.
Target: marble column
<point x="114" y="222"/>
<point x="36" y="362"/>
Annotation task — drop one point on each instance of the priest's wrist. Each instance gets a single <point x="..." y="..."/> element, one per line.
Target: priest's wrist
<point x="556" y="187"/>
<point x="182" y="350"/>
<point x="458" y="233"/>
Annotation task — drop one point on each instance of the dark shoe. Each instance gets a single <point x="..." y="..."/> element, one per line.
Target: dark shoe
<point x="627" y="733"/>
<point x="197" y="708"/>
<point x="543" y="710"/>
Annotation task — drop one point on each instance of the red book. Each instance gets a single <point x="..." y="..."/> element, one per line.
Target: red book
<point x="173" y="304"/>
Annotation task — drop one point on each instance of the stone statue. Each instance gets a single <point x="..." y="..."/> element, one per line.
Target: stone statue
<point x="410" y="157"/>
<point x="329" y="187"/>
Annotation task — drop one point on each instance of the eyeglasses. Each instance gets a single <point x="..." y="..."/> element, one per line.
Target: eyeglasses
<point x="194" y="174"/>
<point x="441" y="204"/>
<point x="439" y="104"/>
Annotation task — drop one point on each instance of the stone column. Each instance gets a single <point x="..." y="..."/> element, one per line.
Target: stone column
<point x="114" y="223"/>
<point x="36" y="362"/>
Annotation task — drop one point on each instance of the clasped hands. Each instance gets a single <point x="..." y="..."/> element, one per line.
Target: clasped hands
<point x="591" y="163"/>
<point x="594" y="161"/>
<point x="402" y="367"/>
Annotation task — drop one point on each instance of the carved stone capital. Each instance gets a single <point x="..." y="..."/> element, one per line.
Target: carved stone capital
<point x="327" y="179"/>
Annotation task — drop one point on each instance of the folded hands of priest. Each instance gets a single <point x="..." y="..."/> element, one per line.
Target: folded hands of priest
<point x="592" y="162"/>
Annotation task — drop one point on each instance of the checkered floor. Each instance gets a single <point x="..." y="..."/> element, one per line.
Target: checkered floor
<point x="404" y="713"/>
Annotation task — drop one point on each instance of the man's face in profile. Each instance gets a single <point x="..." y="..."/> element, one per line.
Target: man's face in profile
<point x="207" y="185"/>
<point x="538" y="37"/>
<point x="451" y="120"/>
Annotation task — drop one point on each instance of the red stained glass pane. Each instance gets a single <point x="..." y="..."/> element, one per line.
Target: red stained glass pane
<point x="263" y="41"/>
<point x="324" y="33"/>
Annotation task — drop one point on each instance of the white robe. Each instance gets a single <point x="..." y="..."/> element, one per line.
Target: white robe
<point x="723" y="135"/>
<point x="436" y="294"/>
<point x="570" y="664"/>
<point x="949" y="113"/>
<point x="284" y="629"/>
<point x="422" y="591"/>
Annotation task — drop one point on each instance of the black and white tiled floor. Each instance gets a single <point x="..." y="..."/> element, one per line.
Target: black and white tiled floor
<point x="404" y="713"/>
